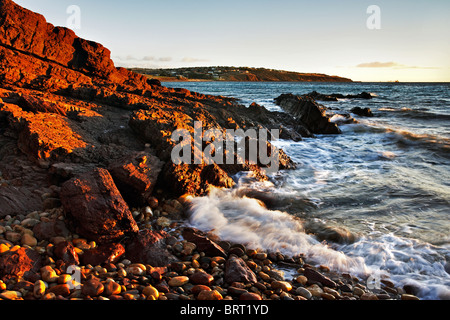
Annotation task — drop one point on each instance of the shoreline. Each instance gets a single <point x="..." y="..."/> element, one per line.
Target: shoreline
<point x="202" y="271"/>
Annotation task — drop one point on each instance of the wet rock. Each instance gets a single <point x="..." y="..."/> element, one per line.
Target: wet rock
<point x="363" y="112"/>
<point x="303" y="292"/>
<point x="236" y="270"/>
<point x="95" y="207"/>
<point x="316" y="277"/>
<point x="409" y="297"/>
<point x="310" y="113"/>
<point x="203" y="242"/>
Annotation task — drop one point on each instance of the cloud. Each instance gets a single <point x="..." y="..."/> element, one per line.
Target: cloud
<point x="391" y="64"/>
<point x="378" y="65"/>
<point x="191" y="60"/>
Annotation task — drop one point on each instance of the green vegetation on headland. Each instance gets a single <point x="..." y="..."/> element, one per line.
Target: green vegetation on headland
<point x="235" y="74"/>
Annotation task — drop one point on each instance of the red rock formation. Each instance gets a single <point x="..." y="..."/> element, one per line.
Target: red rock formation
<point x="20" y="263"/>
<point x="95" y="208"/>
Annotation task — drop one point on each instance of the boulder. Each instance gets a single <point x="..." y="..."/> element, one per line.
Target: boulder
<point x="95" y="208"/>
<point x="308" y="112"/>
<point x="135" y="176"/>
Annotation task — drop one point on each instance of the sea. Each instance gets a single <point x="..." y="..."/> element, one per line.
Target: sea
<point x="385" y="180"/>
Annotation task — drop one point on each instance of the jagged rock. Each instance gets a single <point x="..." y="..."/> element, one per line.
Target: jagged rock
<point x="20" y="263"/>
<point x="135" y="176"/>
<point x="95" y="208"/>
<point x="306" y="110"/>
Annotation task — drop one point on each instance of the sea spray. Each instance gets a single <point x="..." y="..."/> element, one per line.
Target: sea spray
<point x="245" y="220"/>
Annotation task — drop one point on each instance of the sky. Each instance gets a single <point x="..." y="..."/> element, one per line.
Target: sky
<point x="405" y="40"/>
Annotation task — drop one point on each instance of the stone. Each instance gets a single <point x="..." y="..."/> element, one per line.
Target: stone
<point x="92" y="288"/>
<point x="151" y="291"/>
<point x="112" y="288"/>
<point x="309" y="112"/>
<point x="315" y="290"/>
<point x="60" y="290"/>
<point x="202" y="278"/>
<point x="303" y="292"/>
<point x="103" y="254"/>
<point x="19" y="263"/>
<point x="203" y="243"/>
<point x="327" y="296"/>
<point x="302" y="280"/>
<point x="358" y="291"/>
<point x="178" y="281"/>
<point x="10" y="295"/>
<point x="283" y="285"/>
<point x="39" y="289"/>
<point x="48" y="274"/>
<point x="149" y="247"/>
<point x="409" y="297"/>
<point x="50" y="229"/>
<point x="368" y="296"/>
<point x="135" y="176"/>
<point x="250" y="296"/>
<point x="198" y="288"/>
<point x="363" y="112"/>
<point x="14" y="237"/>
<point x="209" y="295"/>
<point x="315" y="276"/>
<point x="28" y="240"/>
<point x="66" y="252"/>
<point x="236" y="270"/>
<point x="95" y="207"/>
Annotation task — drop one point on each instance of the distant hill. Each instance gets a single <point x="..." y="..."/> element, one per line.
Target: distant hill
<point x="235" y="74"/>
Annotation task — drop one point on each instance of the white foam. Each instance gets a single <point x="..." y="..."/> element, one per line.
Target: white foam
<point x="245" y="220"/>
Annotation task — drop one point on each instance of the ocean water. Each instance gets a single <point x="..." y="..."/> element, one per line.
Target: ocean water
<point x="385" y="179"/>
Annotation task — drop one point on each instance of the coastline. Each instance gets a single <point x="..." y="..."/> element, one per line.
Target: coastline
<point x="92" y="206"/>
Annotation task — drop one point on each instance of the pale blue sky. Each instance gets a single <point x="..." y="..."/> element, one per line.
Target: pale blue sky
<point x="324" y="36"/>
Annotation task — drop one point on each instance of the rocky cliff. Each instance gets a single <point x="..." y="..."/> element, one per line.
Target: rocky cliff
<point x="66" y="110"/>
